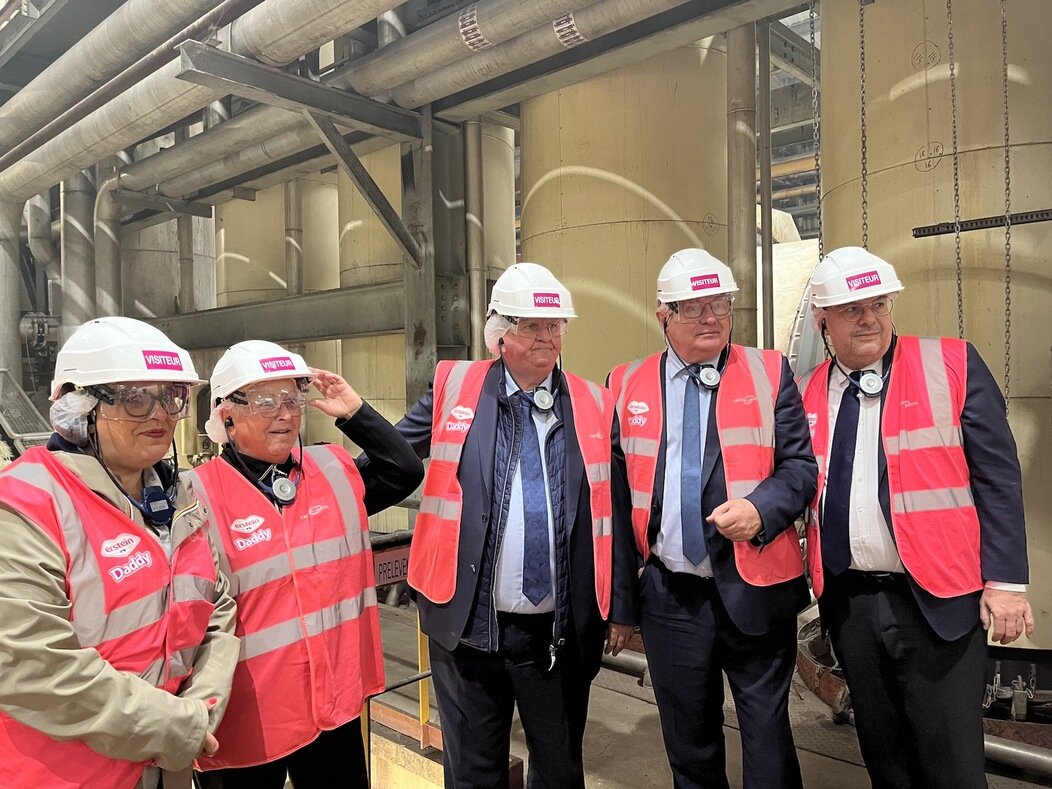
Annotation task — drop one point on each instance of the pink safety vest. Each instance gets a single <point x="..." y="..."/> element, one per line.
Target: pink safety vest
<point x="119" y="584"/>
<point x="932" y="511"/>
<point x="745" y="404"/>
<point x="436" y="536"/>
<point x="306" y="605"/>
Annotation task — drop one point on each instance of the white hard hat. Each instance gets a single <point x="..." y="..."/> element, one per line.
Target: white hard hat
<point x="255" y="360"/>
<point x="851" y="274"/>
<point x="526" y="290"/>
<point x="114" y="349"/>
<point x="692" y="274"/>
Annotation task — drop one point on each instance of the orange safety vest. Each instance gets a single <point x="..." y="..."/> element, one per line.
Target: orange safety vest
<point x="933" y="514"/>
<point x="745" y="404"/>
<point x="436" y="536"/>
<point x="306" y="605"/>
<point x="144" y="613"/>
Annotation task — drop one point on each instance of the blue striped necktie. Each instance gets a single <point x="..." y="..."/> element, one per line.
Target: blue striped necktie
<point x="536" y="552"/>
<point x="691" y="527"/>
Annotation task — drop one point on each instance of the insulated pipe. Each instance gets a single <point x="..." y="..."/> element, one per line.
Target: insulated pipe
<point x="184" y="242"/>
<point x="763" y="117"/>
<point x="589" y="23"/>
<point x="475" y="236"/>
<point x="741" y="177"/>
<point x="1017" y="754"/>
<point x="108" y="281"/>
<point x="40" y="237"/>
<point x="10" y="287"/>
<point x="275" y="32"/>
<point x="125" y="35"/>
<point x="78" y="253"/>
<point x="294" y="236"/>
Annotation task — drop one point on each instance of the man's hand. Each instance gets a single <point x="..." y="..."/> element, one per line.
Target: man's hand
<point x="209" y="746"/>
<point x="738" y="520"/>
<point x="338" y="398"/>
<point x="617" y="637"/>
<point x="1006" y="615"/>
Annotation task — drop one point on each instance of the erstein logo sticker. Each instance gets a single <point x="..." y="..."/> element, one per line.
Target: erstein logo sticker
<point x="247" y="525"/>
<point x="636" y="407"/>
<point x="120" y="546"/>
<point x="462" y="413"/>
<point x="277" y="364"/>
<point x="162" y="360"/>
<point x="546" y="300"/>
<point x="705" y="282"/>
<point x="866" y="280"/>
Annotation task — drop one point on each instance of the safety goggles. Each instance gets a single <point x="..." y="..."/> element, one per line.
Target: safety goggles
<point x="268" y="404"/>
<point x="881" y="307"/>
<point x="531" y="328"/>
<point x="693" y="309"/>
<point x="139" y="403"/>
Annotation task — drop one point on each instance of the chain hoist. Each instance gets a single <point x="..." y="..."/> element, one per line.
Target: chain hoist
<point x="862" y="119"/>
<point x="956" y="170"/>
<point x="816" y="133"/>
<point x="1008" y="201"/>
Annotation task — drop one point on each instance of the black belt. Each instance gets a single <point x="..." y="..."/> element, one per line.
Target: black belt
<point x="863" y="581"/>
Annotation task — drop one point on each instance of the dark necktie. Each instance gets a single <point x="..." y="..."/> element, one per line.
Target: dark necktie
<point x="691" y="528"/>
<point x="536" y="571"/>
<point x="836" y="533"/>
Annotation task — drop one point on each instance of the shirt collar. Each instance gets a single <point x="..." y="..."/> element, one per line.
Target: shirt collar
<point x="510" y="387"/>
<point x="676" y="367"/>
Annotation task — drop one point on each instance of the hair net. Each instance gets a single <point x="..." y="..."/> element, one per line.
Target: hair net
<point x="214" y="427"/>
<point x="818" y="314"/>
<point x="496" y="327"/>
<point x="69" y="416"/>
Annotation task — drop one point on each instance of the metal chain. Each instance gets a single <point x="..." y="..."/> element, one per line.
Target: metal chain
<point x="862" y="102"/>
<point x="816" y="133"/>
<point x="956" y="171"/>
<point x="1008" y="203"/>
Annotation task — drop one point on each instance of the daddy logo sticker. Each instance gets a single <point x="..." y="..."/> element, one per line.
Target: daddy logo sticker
<point x="136" y="562"/>
<point x="162" y="360"/>
<point x="247" y="525"/>
<point x="263" y="535"/>
<point x="120" y="546"/>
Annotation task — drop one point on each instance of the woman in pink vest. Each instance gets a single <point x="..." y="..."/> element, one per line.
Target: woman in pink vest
<point x="116" y="630"/>
<point x="291" y="523"/>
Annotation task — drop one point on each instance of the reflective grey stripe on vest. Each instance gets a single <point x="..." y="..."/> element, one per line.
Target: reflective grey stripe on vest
<point x="597" y="394"/>
<point x="928" y="500"/>
<point x="762" y="384"/>
<point x="89" y="619"/>
<point x="191" y="588"/>
<point x="446" y="450"/>
<point x="201" y="493"/>
<point x="290" y="631"/>
<point x="640" y="499"/>
<point x="742" y="488"/>
<point x="742" y="436"/>
<point x="935" y="377"/>
<point x="647" y="447"/>
<point x="446" y="510"/>
<point x="600" y="472"/>
<point x="923" y="438"/>
<point x="633" y="367"/>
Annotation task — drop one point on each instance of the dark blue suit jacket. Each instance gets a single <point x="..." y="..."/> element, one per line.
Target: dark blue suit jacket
<point x="780" y="499"/>
<point x="996" y="482"/>
<point x="445" y="623"/>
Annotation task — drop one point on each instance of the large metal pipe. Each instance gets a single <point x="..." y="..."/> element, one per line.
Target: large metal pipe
<point x="741" y="177"/>
<point x="125" y="35"/>
<point x="294" y="236"/>
<point x="1020" y="755"/>
<point x="763" y="118"/>
<point x="475" y="236"/>
<point x="10" y="287"/>
<point x="275" y="32"/>
<point x="39" y="234"/>
<point x="78" y="253"/>
<point x="108" y="277"/>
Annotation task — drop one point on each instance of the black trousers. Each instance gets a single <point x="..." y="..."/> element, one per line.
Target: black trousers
<point x="691" y="642"/>
<point x="916" y="697"/>
<point x="478" y="691"/>
<point x="335" y="759"/>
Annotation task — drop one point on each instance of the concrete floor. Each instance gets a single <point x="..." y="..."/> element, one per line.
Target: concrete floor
<point x="623" y="746"/>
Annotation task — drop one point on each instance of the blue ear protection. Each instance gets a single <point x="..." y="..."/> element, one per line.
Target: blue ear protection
<point x="156" y="506"/>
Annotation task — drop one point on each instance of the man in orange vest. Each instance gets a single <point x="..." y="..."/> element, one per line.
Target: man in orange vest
<point x="712" y="465"/>
<point x="916" y="533"/>
<point x="511" y="550"/>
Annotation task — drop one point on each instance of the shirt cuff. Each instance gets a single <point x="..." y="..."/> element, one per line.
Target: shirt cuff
<point x="1002" y="586"/>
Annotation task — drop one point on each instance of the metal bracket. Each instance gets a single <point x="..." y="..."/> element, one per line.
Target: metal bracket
<point x="983" y="223"/>
<point x="354" y="168"/>
<point x="792" y="53"/>
<point x="139" y="200"/>
<point x="240" y="76"/>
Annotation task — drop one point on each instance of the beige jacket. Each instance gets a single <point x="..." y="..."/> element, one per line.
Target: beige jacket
<point x="48" y="682"/>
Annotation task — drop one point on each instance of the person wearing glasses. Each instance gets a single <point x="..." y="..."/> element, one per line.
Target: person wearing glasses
<point x="511" y="551"/>
<point x="291" y="524"/>
<point x="916" y="538"/>
<point x="117" y="642"/>
<point x="712" y="465"/>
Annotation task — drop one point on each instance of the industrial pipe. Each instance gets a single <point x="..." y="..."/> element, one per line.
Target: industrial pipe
<point x="78" y="253"/>
<point x="294" y="236"/>
<point x="475" y="236"/>
<point x="741" y="176"/>
<point x="1020" y="755"/>
<point x="763" y="118"/>
<point x="10" y="287"/>
<point x="40" y="236"/>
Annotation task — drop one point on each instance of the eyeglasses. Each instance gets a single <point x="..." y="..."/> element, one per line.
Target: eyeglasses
<point x="138" y="403"/>
<point x="854" y="312"/>
<point x="531" y="328"/>
<point x="693" y="309"/>
<point x="268" y="404"/>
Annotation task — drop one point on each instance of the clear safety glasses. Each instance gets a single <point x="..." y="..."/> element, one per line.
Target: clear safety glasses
<point x="693" y="309"/>
<point x="139" y="403"/>
<point x="880" y="307"/>
<point x="531" y="328"/>
<point x="268" y="404"/>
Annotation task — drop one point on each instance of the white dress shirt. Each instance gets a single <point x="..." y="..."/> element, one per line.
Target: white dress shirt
<point x="668" y="546"/>
<point x="507" y="595"/>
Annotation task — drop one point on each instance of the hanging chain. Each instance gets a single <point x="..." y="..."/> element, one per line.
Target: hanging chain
<point x="816" y="134"/>
<point x="956" y="171"/>
<point x="1008" y="203"/>
<point x="862" y="102"/>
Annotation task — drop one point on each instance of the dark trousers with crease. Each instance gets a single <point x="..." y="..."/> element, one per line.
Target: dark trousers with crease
<point x="691" y="642"/>
<point x="917" y="698"/>
<point x="334" y="758"/>
<point x="478" y="692"/>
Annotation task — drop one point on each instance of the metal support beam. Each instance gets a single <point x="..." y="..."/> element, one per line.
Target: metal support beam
<point x="763" y="121"/>
<point x="139" y="200"/>
<point x="792" y="54"/>
<point x="229" y="73"/>
<point x="324" y="315"/>
<point x="372" y="193"/>
<point x="741" y="176"/>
